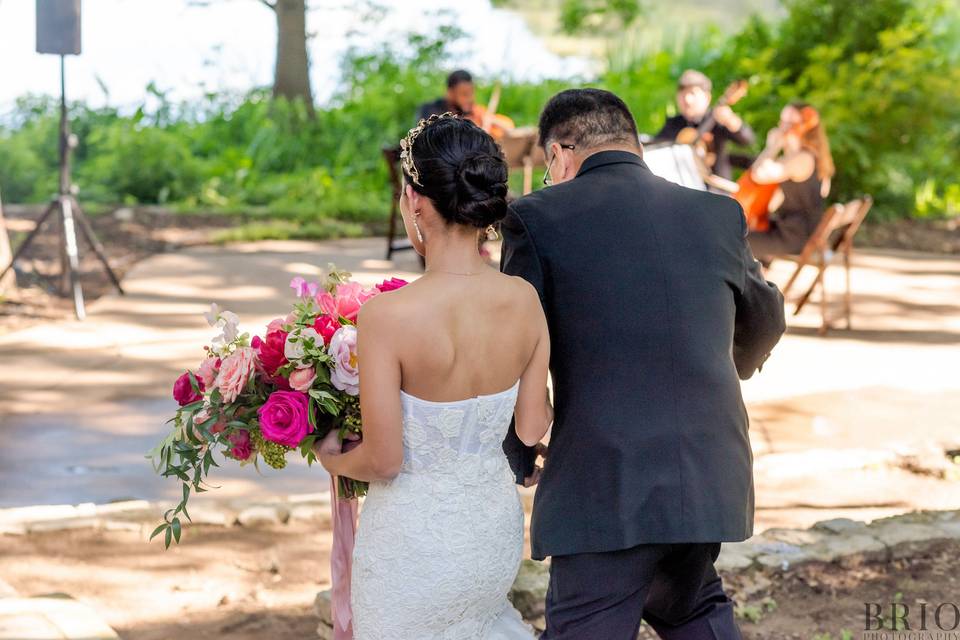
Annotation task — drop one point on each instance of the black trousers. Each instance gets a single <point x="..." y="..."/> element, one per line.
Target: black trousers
<point x="674" y="587"/>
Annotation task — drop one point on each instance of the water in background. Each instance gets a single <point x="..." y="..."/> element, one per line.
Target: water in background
<point x="189" y="47"/>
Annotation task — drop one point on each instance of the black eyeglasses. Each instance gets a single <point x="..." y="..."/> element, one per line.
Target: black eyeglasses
<point x="547" y="181"/>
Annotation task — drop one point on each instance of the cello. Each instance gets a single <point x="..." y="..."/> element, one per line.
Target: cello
<point x="755" y="197"/>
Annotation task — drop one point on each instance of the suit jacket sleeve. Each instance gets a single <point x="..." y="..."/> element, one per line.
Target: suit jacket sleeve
<point x="519" y="258"/>
<point x="759" y="320"/>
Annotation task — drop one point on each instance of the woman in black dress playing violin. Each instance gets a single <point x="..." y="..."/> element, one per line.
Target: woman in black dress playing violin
<point x="797" y="158"/>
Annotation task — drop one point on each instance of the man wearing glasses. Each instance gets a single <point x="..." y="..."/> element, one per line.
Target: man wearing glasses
<point x="655" y="306"/>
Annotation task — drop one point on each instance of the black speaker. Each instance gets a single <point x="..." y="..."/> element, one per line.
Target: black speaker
<point x="58" y="27"/>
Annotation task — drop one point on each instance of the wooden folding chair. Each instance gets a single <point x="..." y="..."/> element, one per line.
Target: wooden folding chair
<point x="833" y="237"/>
<point x="392" y="157"/>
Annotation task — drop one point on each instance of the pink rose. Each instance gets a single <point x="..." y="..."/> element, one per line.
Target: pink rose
<point x="270" y="349"/>
<point x="391" y="285"/>
<point x="241" y="449"/>
<point x="235" y="372"/>
<point x="326" y="326"/>
<point x="183" y="391"/>
<point x="302" y="379"/>
<point x="346" y="302"/>
<point x="346" y="373"/>
<point x="207" y="372"/>
<point x="283" y="418"/>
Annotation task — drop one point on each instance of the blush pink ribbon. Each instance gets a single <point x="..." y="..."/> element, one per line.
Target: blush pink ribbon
<point x="344" y="516"/>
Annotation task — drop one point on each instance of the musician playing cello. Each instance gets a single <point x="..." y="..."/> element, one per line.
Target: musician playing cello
<point x="797" y="158"/>
<point x="694" y="95"/>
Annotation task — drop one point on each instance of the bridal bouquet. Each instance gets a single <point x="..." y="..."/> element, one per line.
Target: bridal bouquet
<point x="267" y="397"/>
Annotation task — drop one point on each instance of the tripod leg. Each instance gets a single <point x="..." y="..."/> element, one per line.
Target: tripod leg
<point x="73" y="256"/>
<point x="94" y="243"/>
<point x="29" y="238"/>
<point x="65" y="285"/>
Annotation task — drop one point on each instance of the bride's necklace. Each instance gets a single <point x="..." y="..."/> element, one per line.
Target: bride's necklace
<point x="453" y="273"/>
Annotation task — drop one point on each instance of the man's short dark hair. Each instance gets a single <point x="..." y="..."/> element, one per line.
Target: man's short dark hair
<point x="587" y="118"/>
<point x="458" y="77"/>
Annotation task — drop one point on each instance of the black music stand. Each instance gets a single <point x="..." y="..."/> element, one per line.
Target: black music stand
<point x="71" y="215"/>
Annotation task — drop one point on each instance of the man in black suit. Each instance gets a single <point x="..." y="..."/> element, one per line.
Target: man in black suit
<point x="655" y="306"/>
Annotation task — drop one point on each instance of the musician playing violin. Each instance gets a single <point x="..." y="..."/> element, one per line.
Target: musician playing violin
<point x="461" y="100"/>
<point x="694" y="95"/>
<point x="797" y="158"/>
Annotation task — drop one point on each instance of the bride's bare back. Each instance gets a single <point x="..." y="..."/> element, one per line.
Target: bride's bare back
<point x="463" y="336"/>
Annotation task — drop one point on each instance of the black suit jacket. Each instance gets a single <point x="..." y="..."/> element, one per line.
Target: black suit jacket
<point x="655" y="306"/>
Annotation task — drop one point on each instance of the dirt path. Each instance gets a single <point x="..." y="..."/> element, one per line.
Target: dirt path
<point x="239" y="583"/>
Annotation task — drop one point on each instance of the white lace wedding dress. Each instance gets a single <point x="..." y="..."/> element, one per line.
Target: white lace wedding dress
<point x="439" y="546"/>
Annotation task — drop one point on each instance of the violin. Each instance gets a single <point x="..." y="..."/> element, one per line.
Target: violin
<point x="487" y="118"/>
<point x="755" y="197"/>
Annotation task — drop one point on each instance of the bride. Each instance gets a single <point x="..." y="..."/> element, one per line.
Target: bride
<point x="446" y="362"/>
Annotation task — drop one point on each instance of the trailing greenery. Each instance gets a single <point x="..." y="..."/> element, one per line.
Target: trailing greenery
<point x="885" y="75"/>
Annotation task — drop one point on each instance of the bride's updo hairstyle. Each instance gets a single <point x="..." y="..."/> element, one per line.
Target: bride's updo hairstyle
<point x="460" y="168"/>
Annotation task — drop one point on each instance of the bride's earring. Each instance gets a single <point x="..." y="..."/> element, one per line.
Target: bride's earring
<point x="492" y="233"/>
<point x="416" y="227"/>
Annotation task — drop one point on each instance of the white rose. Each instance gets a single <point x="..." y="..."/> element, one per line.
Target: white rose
<point x="346" y="371"/>
<point x="293" y="348"/>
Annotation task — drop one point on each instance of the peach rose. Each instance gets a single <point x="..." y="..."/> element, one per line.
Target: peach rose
<point x="235" y="372"/>
<point x="302" y="379"/>
<point x="207" y="371"/>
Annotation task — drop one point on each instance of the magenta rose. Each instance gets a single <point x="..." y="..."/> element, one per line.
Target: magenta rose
<point x="391" y="285"/>
<point x="183" y="391"/>
<point x="241" y="449"/>
<point x="326" y="327"/>
<point x="270" y="350"/>
<point x="283" y="418"/>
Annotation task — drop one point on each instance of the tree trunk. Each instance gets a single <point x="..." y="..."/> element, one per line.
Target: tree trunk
<point x="292" y="75"/>
<point x="9" y="281"/>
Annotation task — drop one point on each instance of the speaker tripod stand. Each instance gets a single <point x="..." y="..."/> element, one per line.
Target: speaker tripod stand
<point x="67" y="209"/>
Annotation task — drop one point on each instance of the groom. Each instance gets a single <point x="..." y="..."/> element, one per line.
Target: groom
<point x="656" y="306"/>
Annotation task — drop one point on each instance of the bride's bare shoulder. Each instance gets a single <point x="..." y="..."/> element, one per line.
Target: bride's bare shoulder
<point x="524" y="292"/>
<point x="388" y="307"/>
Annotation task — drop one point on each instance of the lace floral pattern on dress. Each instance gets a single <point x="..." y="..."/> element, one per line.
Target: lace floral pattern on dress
<point x="439" y="547"/>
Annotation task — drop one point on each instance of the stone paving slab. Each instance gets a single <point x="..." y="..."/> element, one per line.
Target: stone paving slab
<point x="140" y="515"/>
<point x="55" y="617"/>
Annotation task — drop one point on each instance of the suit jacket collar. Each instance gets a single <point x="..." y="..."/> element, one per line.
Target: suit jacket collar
<point x="603" y="158"/>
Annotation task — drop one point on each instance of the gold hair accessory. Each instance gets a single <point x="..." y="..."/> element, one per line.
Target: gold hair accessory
<point x="406" y="145"/>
